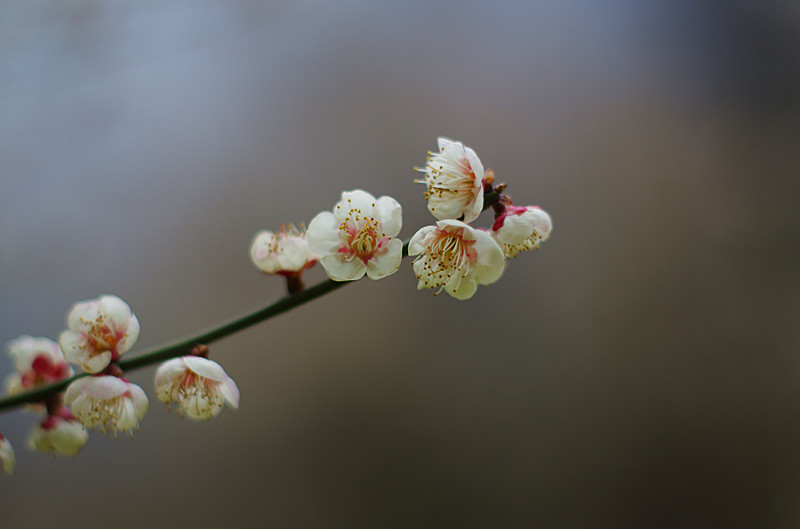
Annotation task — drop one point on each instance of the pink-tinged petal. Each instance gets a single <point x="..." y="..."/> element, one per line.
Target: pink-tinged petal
<point x="341" y="269"/>
<point x="461" y="288"/>
<point x="168" y="371"/>
<point x="387" y="263"/>
<point x="139" y="398"/>
<point x="95" y="364"/>
<point x="230" y="392"/>
<point x="476" y="166"/>
<point x="323" y="234"/>
<point x="417" y="243"/>
<point x="206" y="368"/>
<point x="105" y="387"/>
<point x="259" y="248"/>
<point x="390" y="215"/>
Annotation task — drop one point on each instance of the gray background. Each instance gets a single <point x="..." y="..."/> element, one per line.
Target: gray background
<point x="641" y="370"/>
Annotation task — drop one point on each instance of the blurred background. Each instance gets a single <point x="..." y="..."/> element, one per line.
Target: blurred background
<point x="641" y="370"/>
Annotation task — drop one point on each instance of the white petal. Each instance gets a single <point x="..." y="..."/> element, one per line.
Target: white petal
<point x="491" y="261"/>
<point x="515" y="229"/>
<point x="359" y="199"/>
<point x="168" y="372"/>
<point x="390" y="216"/>
<point x="340" y="269"/>
<point x="387" y="263"/>
<point x="463" y="289"/>
<point x="73" y="344"/>
<point x="443" y="142"/>
<point x="75" y="389"/>
<point x="139" y="398"/>
<point x="323" y="234"/>
<point x="417" y="243"/>
<point x="542" y="222"/>
<point x="231" y="392"/>
<point x="82" y="315"/>
<point x="117" y="310"/>
<point x="293" y="254"/>
<point x="95" y="364"/>
<point x="206" y="368"/>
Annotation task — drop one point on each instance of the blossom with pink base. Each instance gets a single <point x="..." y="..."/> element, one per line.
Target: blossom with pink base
<point x="60" y="434"/>
<point x="455" y="257"/>
<point x="112" y="403"/>
<point x="8" y="460"/>
<point x="519" y="229"/>
<point x="197" y="385"/>
<point x="100" y="331"/>
<point x="358" y="237"/>
<point x="285" y="252"/>
<point x="39" y="362"/>
<point x="454" y="177"/>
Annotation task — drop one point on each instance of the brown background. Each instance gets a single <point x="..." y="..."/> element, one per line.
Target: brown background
<point x="641" y="370"/>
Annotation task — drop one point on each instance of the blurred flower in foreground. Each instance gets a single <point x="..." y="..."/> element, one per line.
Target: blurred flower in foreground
<point x="197" y="385"/>
<point x="7" y="458"/>
<point x="358" y="237"/>
<point x="455" y="257"/>
<point x="521" y="228"/>
<point x="454" y="177"/>
<point x="100" y="330"/>
<point x="39" y="362"/>
<point x="59" y="434"/>
<point x="285" y="252"/>
<point x="112" y="403"/>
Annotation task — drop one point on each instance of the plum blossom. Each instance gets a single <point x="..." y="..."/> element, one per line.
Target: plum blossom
<point x="38" y="361"/>
<point x="7" y="458"/>
<point x="285" y="252"/>
<point x="358" y="237"/>
<point x="112" y="403"/>
<point x="455" y="257"/>
<point x="100" y="331"/>
<point x="454" y="177"/>
<point x="197" y="385"/>
<point x="59" y="434"/>
<point x="519" y="229"/>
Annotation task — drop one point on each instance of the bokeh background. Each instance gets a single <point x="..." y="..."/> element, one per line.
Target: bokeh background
<point x="641" y="370"/>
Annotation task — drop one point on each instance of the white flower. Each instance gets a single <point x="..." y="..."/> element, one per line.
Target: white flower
<point x="285" y="252"/>
<point x="7" y="458"/>
<point x="455" y="257"/>
<point x="112" y="403"/>
<point x="59" y="435"/>
<point x="100" y="330"/>
<point x="39" y="361"/>
<point x="521" y="228"/>
<point x="454" y="177"/>
<point x="197" y="385"/>
<point x="358" y="237"/>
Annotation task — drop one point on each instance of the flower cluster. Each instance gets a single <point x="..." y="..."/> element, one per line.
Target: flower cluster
<point x="454" y="256"/>
<point x="99" y="332"/>
<point x="358" y="237"/>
